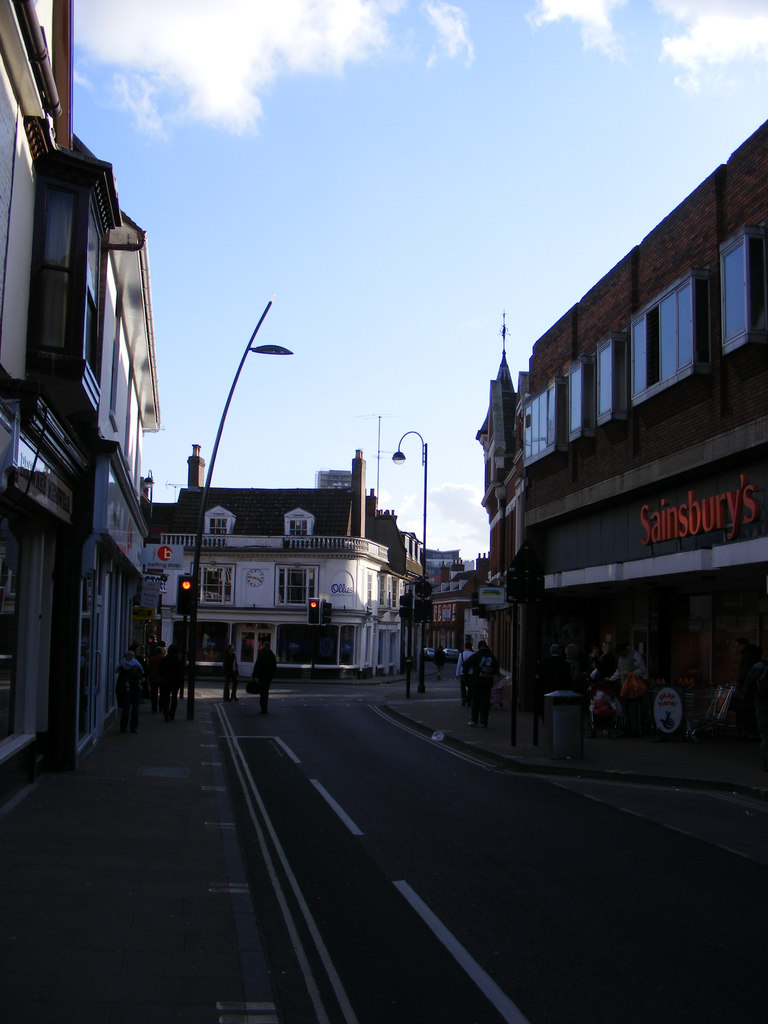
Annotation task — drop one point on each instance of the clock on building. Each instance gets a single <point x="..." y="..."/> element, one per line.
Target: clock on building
<point x="254" y="577"/>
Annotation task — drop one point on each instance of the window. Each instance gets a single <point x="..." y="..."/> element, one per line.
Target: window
<point x="299" y="523"/>
<point x="581" y="398"/>
<point x="612" y="379"/>
<point x="55" y="274"/>
<point x="219" y="522"/>
<point x="670" y="337"/>
<point x="295" y="586"/>
<point x="743" y="290"/>
<point x="90" y="334"/>
<point x="545" y="421"/>
<point x="217" y="584"/>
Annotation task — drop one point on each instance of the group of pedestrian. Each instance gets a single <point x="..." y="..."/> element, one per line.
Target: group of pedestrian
<point x="261" y="676"/>
<point x="159" y="676"/>
<point x="476" y="672"/>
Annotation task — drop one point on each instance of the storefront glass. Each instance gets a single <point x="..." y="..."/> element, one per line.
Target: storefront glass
<point x="7" y="630"/>
<point x="692" y="653"/>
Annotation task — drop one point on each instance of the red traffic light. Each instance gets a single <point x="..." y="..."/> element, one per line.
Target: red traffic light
<point x="313" y="611"/>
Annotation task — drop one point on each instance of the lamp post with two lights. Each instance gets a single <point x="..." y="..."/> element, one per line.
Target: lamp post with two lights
<point x="266" y="350"/>
<point x="399" y="458"/>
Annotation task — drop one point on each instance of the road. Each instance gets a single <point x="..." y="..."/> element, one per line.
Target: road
<point x="396" y="880"/>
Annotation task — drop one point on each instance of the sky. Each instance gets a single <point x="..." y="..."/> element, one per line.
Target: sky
<point x="398" y="176"/>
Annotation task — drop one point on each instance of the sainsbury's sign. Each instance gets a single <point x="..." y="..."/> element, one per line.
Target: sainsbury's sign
<point x="726" y="511"/>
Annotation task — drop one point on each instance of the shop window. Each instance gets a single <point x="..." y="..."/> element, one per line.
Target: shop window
<point x="581" y="398"/>
<point x="295" y="586"/>
<point x="670" y="338"/>
<point x="545" y="422"/>
<point x="612" y="379"/>
<point x="743" y="290"/>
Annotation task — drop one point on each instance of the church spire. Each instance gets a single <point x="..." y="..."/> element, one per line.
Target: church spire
<point x="504" y="376"/>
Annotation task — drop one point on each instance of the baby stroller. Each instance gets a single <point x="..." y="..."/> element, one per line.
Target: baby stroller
<point x="501" y="688"/>
<point x="605" y="717"/>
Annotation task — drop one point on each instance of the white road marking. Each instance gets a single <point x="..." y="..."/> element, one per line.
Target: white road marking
<point x="508" y="1010"/>
<point x="337" y="808"/>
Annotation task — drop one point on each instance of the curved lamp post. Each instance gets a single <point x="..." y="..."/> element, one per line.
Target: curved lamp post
<point x="264" y="350"/>
<point x="399" y="458"/>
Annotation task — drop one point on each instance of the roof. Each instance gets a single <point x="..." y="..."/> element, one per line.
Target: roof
<point x="260" y="512"/>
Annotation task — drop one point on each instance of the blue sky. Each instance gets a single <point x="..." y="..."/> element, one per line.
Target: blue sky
<point x="397" y="174"/>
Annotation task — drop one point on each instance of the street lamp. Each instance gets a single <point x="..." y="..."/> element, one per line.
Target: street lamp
<point x="399" y="458"/>
<point x="264" y="350"/>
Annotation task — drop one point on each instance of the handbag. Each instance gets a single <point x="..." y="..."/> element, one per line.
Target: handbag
<point x="633" y="687"/>
<point x="252" y="686"/>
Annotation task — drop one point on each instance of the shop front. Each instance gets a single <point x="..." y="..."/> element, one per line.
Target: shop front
<point x="680" y="572"/>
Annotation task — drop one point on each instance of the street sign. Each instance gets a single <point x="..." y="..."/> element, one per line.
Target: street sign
<point x="163" y="556"/>
<point x="144" y="614"/>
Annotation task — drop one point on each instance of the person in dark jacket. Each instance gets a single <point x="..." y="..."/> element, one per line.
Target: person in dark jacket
<point x="130" y="675"/>
<point x="554" y="674"/>
<point x="439" y="661"/>
<point x="230" y="673"/>
<point x="483" y="667"/>
<point x="263" y="671"/>
<point x="171" y="682"/>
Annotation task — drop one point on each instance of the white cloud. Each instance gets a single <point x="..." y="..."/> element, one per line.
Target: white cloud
<point x="716" y="33"/>
<point x="211" y="62"/>
<point x="593" y="17"/>
<point x="450" y="23"/>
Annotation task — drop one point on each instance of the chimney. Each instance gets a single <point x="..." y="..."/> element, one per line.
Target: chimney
<point x="196" y="471"/>
<point x="357" y="525"/>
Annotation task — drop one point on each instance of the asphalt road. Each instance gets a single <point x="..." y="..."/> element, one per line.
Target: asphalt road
<point x="396" y="880"/>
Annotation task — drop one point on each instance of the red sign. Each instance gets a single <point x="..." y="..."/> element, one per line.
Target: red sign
<point x="164" y="553"/>
<point x="725" y="511"/>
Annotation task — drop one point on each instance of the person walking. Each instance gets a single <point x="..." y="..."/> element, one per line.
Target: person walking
<point x="263" y="672"/>
<point x="484" y="668"/>
<point x="171" y="682"/>
<point x="153" y="665"/>
<point x="464" y="671"/>
<point x="130" y="674"/>
<point x="439" y="661"/>
<point x="230" y="673"/>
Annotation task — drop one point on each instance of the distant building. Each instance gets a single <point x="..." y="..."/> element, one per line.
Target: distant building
<point x="333" y="478"/>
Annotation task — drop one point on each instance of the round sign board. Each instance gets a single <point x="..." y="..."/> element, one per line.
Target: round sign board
<point x="668" y="709"/>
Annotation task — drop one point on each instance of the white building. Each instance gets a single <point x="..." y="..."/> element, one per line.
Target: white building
<point x="266" y="553"/>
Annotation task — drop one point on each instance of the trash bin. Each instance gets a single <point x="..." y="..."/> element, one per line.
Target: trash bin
<point x="563" y="726"/>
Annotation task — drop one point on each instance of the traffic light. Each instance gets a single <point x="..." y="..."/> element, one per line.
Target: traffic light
<point x="326" y="611"/>
<point x="313" y="612"/>
<point x="422" y="611"/>
<point x="185" y="595"/>
<point x="406" y="606"/>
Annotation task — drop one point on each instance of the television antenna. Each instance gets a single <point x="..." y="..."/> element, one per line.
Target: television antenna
<point x="379" y="416"/>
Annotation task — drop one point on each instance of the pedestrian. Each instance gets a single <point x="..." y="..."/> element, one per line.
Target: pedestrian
<point x="439" y="661"/>
<point x="743" y="702"/>
<point x="263" y="672"/>
<point x="484" y="668"/>
<point x="130" y="674"/>
<point x="464" y="671"/>
<point x="153" y="667"/>
<point x="759" y="679"/>
<point x="171" y="682"/>
<point x="230" y="673"/>
<point x="554" y="674"/>
<point x="631" y="677"/>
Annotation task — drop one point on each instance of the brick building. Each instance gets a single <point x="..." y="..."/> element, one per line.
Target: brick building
<point x="644" y="442"/>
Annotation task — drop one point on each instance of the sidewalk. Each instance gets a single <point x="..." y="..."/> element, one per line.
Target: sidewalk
<point x="727" y="763"/>
<point x="124" y="899"/>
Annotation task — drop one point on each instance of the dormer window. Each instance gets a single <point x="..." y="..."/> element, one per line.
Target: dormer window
<point x="299" y="523"/>
<point x="219" y="522"/>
